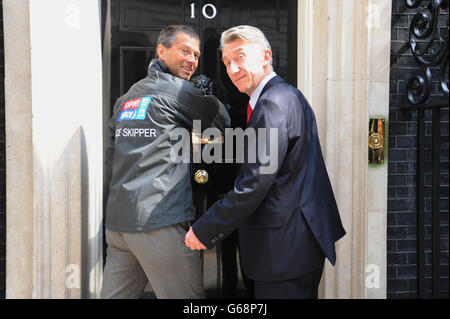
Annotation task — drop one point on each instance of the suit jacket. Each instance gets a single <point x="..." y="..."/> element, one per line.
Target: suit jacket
<point x="288" y="220"/>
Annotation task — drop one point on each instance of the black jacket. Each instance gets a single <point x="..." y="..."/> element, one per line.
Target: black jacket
<point x="148" y="189"/>
<point x="289" y="220"/>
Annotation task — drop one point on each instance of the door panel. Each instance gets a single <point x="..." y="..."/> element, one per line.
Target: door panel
<point x="131" y="61"/>
<point x="135" y="25"/>
<point x="150" y="15"/>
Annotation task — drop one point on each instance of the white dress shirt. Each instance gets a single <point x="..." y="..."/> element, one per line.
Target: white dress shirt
<point x="255" y="96"/>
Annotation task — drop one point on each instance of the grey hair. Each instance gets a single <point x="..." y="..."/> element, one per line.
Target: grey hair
<point x="247" y="33"/>
<point x="169" y="34"/>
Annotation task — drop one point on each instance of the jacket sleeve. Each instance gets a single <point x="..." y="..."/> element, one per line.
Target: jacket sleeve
<point x="194" y="105"/>
<point x="252" y="183"/>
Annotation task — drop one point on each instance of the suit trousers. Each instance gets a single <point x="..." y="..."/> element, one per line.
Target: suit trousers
<point x="159" y="257"/>
<point x="303" y="287"/>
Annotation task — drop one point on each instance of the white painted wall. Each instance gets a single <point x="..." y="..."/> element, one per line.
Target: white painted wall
<point x="344" y="60"/>
<point x="67" y="149"/>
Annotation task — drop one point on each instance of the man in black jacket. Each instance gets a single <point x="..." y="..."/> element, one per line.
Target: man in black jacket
<point x="287" y="215"/>
<point x="150" y="205"/>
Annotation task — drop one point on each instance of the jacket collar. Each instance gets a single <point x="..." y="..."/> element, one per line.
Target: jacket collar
<point x="275" y="80"/>
<point x="257" y="93"/>
<point x="159" y="66"/>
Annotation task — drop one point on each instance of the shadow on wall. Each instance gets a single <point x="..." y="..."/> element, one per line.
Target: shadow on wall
<point x="81" y="254"/>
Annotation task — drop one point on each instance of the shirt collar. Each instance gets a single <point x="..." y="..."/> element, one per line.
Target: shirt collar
<point x="255" y="96"/>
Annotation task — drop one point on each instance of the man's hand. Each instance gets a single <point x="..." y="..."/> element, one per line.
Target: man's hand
<point x="192" y="241"/>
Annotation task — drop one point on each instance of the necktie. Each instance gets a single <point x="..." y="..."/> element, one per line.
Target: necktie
<point x="249" y="112"/>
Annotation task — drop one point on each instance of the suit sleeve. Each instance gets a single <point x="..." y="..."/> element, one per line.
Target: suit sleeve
<point x="253" y="181"/>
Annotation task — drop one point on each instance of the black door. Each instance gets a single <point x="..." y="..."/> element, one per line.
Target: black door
<point x="135" y="25"/>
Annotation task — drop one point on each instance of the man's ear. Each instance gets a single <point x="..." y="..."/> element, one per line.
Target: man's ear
<point x="267" y="56"/>
<point x="161" y="52"/>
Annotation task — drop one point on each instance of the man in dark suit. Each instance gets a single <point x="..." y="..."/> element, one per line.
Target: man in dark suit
<point x="287" y="217"/>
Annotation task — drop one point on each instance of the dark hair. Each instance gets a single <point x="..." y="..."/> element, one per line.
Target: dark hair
<point x="169" y="34"/>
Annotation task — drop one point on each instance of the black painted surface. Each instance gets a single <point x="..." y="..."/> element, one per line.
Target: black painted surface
<point x="136" y="24"/>
<point x="402" y="257"/>
<point x="135" y="27"/>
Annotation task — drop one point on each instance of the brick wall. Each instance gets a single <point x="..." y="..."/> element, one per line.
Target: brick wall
<point x="401" y="232"/>
<point x="2" y="162"/>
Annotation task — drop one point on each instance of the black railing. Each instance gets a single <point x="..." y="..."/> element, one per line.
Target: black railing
<point x="430" y="50"/>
